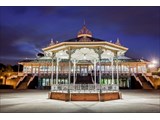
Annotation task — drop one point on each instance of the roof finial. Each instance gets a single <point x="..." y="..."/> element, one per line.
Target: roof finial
<point x="84" y="31"/>
<point x="51" y="40"/>
<point x="118" y="42"/>
<point x="117" y="39"/>
<point x="52" y="43"/>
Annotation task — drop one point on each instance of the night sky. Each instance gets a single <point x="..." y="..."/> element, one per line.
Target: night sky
<point x="25" y="30"/>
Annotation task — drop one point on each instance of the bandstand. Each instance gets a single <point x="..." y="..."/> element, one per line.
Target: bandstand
<point x="88" y="52"/>
<point x="86" y="66"/>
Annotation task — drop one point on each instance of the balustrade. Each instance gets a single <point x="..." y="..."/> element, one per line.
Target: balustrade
<point x="84" y="88"/>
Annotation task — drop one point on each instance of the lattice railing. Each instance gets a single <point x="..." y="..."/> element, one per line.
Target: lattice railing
<point x="84" y="88"/>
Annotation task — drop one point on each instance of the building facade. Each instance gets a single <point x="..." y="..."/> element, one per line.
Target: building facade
<point x="84" y="60"/>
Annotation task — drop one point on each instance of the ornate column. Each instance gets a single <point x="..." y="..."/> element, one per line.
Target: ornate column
<point x="141" y="68"/>
<point x="104" y="69"/>
<point x="122" y="68"/>
<point x="99" y="51"/>
<point x="18" y="69"/>
<point x="69" y="52"/>
<point x="100" y="70"/>
<point x="95" y="73"/>
<point x="38" y="68"/>
<point x="51" y="73"/>
<point x="74" y="71"/>
<point x="54" y="67"/>
<point x="117" y="69"/>
<point x="94" y="67"/>
<point x="137" y="71"/>
<point x="47" y="69"/>
<point x="51" y="81"/>
<point x="57" y="66"/>
<point x="31" y="69"/>
<point x="129" y="68"/>
<point x="69" y="68"/>
<point x="112" y="70"/>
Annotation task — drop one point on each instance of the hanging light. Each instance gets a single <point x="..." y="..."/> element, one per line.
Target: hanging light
<point x="108" y="53"/>
<point x="61" y="53"/>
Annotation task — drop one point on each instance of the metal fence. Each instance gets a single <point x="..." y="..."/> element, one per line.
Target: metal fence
<point x="84" y="88"/>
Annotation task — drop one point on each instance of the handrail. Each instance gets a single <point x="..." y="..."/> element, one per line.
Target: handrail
<point x="148" y="79"/>
<point x="137" y="79"/>
<point x="92" y="78"/>
<point x="21" y="79"/>
<point x="156" y="76"/>
<point x="30" y="80"/>
<point x="12" y="76"/>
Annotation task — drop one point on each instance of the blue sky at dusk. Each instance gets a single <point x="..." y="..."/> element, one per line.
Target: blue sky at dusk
<point x="25" y="30"/>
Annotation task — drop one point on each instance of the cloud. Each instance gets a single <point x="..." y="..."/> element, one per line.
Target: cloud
<point x="19" y="43"/>
<point x="128" y="20"/>
<point x="25" y="30"/>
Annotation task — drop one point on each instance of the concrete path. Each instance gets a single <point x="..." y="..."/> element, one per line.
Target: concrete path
<point x="36" y="101"/>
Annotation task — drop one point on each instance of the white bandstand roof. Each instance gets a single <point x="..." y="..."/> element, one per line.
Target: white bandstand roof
<point x="84" y="50"/>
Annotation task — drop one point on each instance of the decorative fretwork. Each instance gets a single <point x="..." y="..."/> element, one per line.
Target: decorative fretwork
<point x="85" y="39"/>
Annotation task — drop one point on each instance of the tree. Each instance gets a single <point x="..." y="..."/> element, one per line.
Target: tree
<point x="1" y="73"/>
<point x="15" y="68"/>
<point x="2" y="67"/>
<point x="7" y="72"/>
<point x="9" y="68"/>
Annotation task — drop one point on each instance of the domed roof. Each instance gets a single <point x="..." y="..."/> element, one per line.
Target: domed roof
<point x="84" y="32"/>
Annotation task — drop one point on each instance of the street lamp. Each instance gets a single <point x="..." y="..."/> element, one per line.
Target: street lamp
<point x="151" y="65"/>
<point x="154" y="62"/>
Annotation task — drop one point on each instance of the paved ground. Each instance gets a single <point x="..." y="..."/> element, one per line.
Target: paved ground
<point x="32" y="101"/>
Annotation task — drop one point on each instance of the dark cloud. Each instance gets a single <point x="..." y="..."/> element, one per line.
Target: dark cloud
<point x="39" y="10"/>
<point x="48" y="10"/>
<point x="19" y="10"/>
<point x="129" y="20"/>
<point x="19" y="43"/>
<point x="25" y="30"/>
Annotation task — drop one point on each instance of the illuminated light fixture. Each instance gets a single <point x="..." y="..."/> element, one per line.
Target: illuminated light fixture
<point x="154" y="62"/>
<point x="151" y="65"/>
<point x="61" y="53"/>
<point x="84" y="57"/>
<point x="108" y="53"/>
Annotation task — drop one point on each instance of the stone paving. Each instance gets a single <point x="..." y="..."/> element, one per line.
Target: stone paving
<point x="36" y="101"/>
